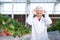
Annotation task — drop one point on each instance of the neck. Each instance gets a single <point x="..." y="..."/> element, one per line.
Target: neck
<point x="39" y="17"/>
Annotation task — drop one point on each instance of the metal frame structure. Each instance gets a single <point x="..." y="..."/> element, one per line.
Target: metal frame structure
<point x="27" y="5"/>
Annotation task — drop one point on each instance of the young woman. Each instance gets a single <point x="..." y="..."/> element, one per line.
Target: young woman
<point x="39" y="24"/>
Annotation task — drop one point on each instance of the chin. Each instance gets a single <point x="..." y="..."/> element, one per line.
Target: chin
<point x="40" y="14"/>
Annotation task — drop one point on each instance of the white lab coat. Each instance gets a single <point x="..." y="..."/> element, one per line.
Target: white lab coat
<point x="39" y="28"/>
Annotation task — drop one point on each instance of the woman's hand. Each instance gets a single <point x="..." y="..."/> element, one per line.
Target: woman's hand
<point x="33" y="12"/>
<point x="44" y="11"/>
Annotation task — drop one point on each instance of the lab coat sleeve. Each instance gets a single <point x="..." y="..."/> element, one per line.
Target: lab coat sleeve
<point x="48" y="21"/>
<point x="29" y="19"/>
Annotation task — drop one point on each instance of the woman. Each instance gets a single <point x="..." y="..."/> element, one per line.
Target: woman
<point x="39" y="24"/>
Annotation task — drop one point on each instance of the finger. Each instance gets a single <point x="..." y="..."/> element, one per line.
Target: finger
<point x="44" y="11"/>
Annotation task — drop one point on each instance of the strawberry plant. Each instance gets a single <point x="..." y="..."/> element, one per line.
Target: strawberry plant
<point x="11" y="27"/>
<point x="55" y="27"/>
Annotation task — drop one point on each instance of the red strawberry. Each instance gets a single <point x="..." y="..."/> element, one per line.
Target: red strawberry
<point x="18" y="36"/>
<point x="1" y="34"/>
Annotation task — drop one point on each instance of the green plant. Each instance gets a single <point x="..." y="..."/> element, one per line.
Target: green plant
<point x="55" y="27"/>
<point x="12" y="26"/>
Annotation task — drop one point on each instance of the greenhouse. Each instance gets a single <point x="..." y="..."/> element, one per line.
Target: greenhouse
<point x="14" y="15"/>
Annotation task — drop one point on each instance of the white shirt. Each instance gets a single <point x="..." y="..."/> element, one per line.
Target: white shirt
<point x="39" y="28"/>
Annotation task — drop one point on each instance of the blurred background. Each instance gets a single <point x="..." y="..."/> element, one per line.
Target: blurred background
<point x="20" y="9"/>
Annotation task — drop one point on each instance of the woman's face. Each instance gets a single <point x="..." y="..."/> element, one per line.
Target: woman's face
<point x="39" y="12"/>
